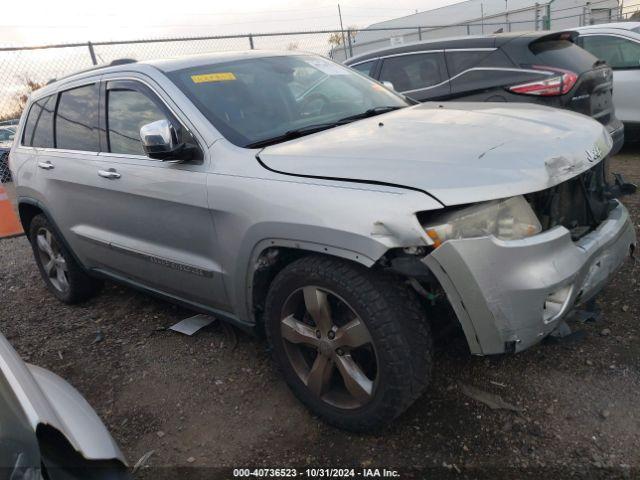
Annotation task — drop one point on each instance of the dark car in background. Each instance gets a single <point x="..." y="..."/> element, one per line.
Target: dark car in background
<point x="537" y="67"/>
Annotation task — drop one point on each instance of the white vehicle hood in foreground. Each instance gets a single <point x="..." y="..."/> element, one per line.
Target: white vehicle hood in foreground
<point x="457" y="152"/>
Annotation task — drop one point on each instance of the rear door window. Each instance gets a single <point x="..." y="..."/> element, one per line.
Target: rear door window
<point x="127" y="111"/>
<point x="77" y="119"/>
<point x="618" y="52"/>
<point x="38" y="130"/>
<point x="364" y="67"/>
<point x="413" y="71"/>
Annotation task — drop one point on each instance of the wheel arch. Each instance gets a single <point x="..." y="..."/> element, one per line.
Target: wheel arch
<point x="269" y="256"/>
<point x="28" y="209"/>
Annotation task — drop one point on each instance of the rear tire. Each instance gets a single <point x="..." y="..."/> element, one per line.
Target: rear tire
<point x="328" y="363"/>
<point x="63" y="276"/>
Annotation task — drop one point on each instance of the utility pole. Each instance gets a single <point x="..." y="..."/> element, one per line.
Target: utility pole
<point x="482" y="16"/>
<point x="506" y="15"/>
<point x="344" y="40"/>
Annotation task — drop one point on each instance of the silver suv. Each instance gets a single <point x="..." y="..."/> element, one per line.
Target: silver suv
<point x="293" y="196"/>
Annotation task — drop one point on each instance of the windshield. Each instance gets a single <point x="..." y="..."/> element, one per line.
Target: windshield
<point x="6" y="134"/>
<point x="254" y="100"/>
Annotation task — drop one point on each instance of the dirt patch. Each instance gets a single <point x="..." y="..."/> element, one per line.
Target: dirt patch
<point x="222" y="402"/>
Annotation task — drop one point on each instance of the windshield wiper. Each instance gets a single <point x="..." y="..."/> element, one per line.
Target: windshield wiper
<point x="291" y="134"/>
<point x="309" y="129"/>
<point x="372" y="112"/>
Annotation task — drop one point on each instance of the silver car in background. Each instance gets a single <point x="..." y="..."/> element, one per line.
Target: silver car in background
<point x="293" y="196"/>
<point x="47" y="430"/>
<point x="619" y="45"/>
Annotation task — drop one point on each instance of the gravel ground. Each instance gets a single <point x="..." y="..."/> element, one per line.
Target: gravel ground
<point x="215" y="399"/>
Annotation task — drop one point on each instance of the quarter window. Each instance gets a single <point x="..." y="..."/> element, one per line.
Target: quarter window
<point x="38" y="130"/>
<point x="364" y="67"/>
<point x="77" y="119"/>
<point x="413" y="72"/>
<point x="127" y="111"/>
<point x="617" y="52"/>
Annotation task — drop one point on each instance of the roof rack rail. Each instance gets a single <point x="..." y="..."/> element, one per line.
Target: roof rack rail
<point x="113" y="63"/>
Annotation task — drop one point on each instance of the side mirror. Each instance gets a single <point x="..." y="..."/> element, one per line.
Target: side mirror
<point x="160" y="141"/>
<point x="389" y="85"/>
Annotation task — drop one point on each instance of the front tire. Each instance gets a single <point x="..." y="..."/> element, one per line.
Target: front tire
<point x="353" y="344"/>
<point x="63" y="276"/>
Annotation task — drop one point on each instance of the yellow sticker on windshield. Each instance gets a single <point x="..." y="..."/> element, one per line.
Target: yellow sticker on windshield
<point x="213" y="77"/>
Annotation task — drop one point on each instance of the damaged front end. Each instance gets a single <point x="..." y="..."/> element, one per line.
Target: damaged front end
<point x="581" y="203"/>
<point x="540" y="256"/>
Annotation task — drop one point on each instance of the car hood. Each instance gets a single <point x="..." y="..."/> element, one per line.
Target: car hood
<point x="457" y="152"/>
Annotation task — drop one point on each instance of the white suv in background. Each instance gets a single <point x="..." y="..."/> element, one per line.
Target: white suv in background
<point x="619" y="45"/>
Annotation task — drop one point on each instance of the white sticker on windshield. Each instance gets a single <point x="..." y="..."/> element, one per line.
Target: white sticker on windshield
<point x="327" y="67"/>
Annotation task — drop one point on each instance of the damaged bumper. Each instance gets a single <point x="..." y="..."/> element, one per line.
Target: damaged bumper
<point x="508" y="295"/>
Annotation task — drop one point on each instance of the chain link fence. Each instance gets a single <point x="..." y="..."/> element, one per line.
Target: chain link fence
<point x="24" y="69"/>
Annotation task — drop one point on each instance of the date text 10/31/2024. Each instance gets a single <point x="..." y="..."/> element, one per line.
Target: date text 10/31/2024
<point x="315" y="473"/>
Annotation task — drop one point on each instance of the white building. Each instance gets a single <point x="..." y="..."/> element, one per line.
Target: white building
<point x="473" y="17"/>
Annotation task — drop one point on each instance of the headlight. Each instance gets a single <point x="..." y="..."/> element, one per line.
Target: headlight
<point x="508" y="219"/>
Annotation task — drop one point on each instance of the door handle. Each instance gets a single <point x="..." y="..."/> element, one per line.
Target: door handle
<point x="110" y="174"/>
<point x="45" y="165"/>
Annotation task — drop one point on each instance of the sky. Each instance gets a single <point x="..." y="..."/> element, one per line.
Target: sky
<point x="65" y="21"/>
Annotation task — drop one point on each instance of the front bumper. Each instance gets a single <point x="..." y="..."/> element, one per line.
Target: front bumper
<point x="508" y="295"/>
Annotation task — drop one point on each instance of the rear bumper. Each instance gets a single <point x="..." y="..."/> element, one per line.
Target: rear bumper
<point x="616" y="130"/>
<point x="508" y="295"/>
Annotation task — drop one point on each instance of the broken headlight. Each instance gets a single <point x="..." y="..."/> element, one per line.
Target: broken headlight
<point x="509" y="219"/>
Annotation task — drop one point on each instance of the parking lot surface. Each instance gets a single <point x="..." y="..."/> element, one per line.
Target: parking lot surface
<point x="215" y="399"/>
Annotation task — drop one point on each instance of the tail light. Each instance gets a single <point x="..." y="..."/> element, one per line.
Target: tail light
<point x="554" y="85"/>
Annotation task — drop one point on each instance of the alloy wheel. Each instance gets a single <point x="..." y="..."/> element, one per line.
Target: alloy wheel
<point x="329" y="347"/>
<point x="53" y="263"/>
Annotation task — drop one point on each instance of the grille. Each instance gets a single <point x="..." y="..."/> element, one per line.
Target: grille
<point x="5" y="174"/>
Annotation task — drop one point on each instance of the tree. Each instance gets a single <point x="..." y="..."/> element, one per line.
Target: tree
<point x="336" y="38"/>
<point x="21" y="101"/>
<point x="635" y="16"/>
<point x="293" y="46"/>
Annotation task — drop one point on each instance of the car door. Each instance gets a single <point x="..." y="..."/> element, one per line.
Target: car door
<point x="419" y="75"/>
<point x="154" y="215"/>
<point x="67" y="140"/>
<point x="623" y="56"/>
